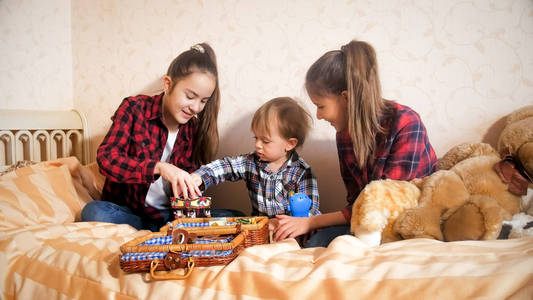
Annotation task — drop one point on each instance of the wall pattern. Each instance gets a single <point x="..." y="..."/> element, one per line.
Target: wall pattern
<point x="36" y="55"/>
<point x="462" y="64"/>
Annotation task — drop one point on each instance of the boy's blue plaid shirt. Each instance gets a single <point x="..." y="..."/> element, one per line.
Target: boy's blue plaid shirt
<point x="268" y="191"/>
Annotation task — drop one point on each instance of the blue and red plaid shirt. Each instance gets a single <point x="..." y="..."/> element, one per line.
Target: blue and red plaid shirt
<point x="268" y="191"/>
<point x="132" y="147"/>
<point x="402" y="153"/>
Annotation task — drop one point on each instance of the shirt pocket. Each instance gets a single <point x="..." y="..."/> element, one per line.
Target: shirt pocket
<point x="142" y="146"/>
<point x="283" y="190"/>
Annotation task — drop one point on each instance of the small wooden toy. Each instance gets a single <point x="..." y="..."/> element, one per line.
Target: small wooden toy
<point x="191" y="208"/>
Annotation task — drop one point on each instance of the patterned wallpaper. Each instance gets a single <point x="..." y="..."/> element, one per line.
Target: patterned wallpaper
<point x="462" y="64"/>
<point x="35" y="55"/>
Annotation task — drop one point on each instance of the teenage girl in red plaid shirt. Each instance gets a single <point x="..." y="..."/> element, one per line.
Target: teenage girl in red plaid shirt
<point x="156" y="141"/>
<point x="376" y="138"/>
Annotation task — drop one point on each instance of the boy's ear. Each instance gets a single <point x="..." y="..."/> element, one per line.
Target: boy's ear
<point x="291" y="143"/>
<point x="167" y="83"/>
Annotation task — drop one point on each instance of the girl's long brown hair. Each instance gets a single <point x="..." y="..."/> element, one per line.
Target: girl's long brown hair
<point x="200" y="58"/>
<point x="353" y="69"/>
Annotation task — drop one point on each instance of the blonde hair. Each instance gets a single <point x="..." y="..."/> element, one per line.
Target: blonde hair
<point x="290" y="118"/>
<point x="200" y="58"/>
<point x="352" y="69"/>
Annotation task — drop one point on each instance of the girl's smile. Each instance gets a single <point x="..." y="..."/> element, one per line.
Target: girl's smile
<point x="187" y="98"/>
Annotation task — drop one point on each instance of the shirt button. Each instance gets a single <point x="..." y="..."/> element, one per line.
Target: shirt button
<point x="145" y="204"/>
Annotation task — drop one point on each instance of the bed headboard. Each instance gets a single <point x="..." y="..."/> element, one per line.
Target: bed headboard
<point x="37" y="135"/>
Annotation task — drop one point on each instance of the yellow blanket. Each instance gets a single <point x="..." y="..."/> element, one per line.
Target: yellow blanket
<point x="45" y="254"/>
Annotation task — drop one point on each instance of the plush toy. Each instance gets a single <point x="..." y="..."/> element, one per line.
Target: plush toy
<point x="377" y="207"/>
<point x="519" y="226"/>
<point x="470" y="196"/>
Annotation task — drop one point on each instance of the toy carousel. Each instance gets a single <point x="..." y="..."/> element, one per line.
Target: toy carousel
<point x="191" y="208"/>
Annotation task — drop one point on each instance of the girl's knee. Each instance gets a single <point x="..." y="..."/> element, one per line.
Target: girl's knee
<point x="90" y="211"/>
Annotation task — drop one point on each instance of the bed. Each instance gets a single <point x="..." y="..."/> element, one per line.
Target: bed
<point x="47" y="253"/>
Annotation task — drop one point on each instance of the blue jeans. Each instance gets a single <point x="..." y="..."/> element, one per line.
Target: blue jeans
<point x="109" y="212"/>
<point x="323" y="237"/>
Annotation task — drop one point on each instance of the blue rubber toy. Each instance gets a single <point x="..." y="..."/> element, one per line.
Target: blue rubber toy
<point x="299" y="205"/>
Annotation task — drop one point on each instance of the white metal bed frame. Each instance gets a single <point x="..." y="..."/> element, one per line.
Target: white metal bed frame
<point x="42" y="135"/>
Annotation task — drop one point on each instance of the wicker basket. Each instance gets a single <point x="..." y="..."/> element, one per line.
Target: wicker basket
<point x="161" y="252"/>
<point x="258" y="233"/>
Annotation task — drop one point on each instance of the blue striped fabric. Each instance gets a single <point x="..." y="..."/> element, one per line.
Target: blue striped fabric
<point x="143" y="256"/>
<point x="193" y="224"/>
<point x="198" y="224"/>
<point x="167" y="240"/>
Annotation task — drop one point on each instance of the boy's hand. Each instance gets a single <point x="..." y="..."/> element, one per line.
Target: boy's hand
<point x="290" y="227"/>
<point x="180" y="180"/>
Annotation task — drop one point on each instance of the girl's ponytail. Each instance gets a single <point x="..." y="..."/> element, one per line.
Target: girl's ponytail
<point x="207" y="138"/>
<point x="352" y="69"/>
<point x="365" y="104"/>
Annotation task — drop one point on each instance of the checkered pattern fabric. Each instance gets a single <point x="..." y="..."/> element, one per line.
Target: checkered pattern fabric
<point x="167" y="240"/>
<point x="193" y="224"/>
<point x="268" y="191"/>
<point x="197" y="224"/>
<point x="402" y="153"/>
<point x="131" y="148"/>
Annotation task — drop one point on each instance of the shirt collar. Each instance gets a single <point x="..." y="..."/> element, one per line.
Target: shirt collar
<point x="343" y="135"/>
<point x="293" y="159"/>
<point x="156" y="111"/>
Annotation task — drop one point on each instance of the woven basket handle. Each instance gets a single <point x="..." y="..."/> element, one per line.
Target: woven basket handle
<point x="170" y="275"/>
<point x="182" y="236"/>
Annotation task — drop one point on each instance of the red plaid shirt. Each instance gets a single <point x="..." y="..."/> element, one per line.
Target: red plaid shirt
<point x="132" y="147"/>
<point x="403" y="153"/>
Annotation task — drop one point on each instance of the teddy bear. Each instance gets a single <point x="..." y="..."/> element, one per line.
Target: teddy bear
<point x="469" y="198"/>
<point x="378" y="206"/>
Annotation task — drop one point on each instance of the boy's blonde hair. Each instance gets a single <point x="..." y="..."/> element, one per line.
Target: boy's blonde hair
<point x="290" y="118"/>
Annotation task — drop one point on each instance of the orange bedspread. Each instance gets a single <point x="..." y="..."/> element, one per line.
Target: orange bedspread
<point x="45" y="254"/>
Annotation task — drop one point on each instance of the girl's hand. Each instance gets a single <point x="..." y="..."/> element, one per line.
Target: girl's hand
<point x="273" y="224"/>
<point x="196" y="179"/>
<point x="180" y="180"/>
<point x="290" y="227"/>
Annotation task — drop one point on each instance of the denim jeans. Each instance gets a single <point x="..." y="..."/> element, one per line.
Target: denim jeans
<point x="325" y="235"/>
<point x="109" y="212"/>
<point x="105" y="211"/>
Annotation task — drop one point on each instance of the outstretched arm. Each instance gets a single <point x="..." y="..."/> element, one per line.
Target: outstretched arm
<point x="182" y="182"/>
<point x="227" y="168"/>
<point x="290" y="227"/>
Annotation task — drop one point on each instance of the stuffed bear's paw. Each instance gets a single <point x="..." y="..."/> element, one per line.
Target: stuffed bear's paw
<point x="466" y="223"/>
<point x="371" y="238"/>
<point x="415" y="223"/>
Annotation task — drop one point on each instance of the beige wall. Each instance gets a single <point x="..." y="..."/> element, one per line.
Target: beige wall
<point x="35" y="55"/>
<point x="462" y="65"/>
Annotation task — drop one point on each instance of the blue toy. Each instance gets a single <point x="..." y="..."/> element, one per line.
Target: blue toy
<point x="299" y="204"/>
